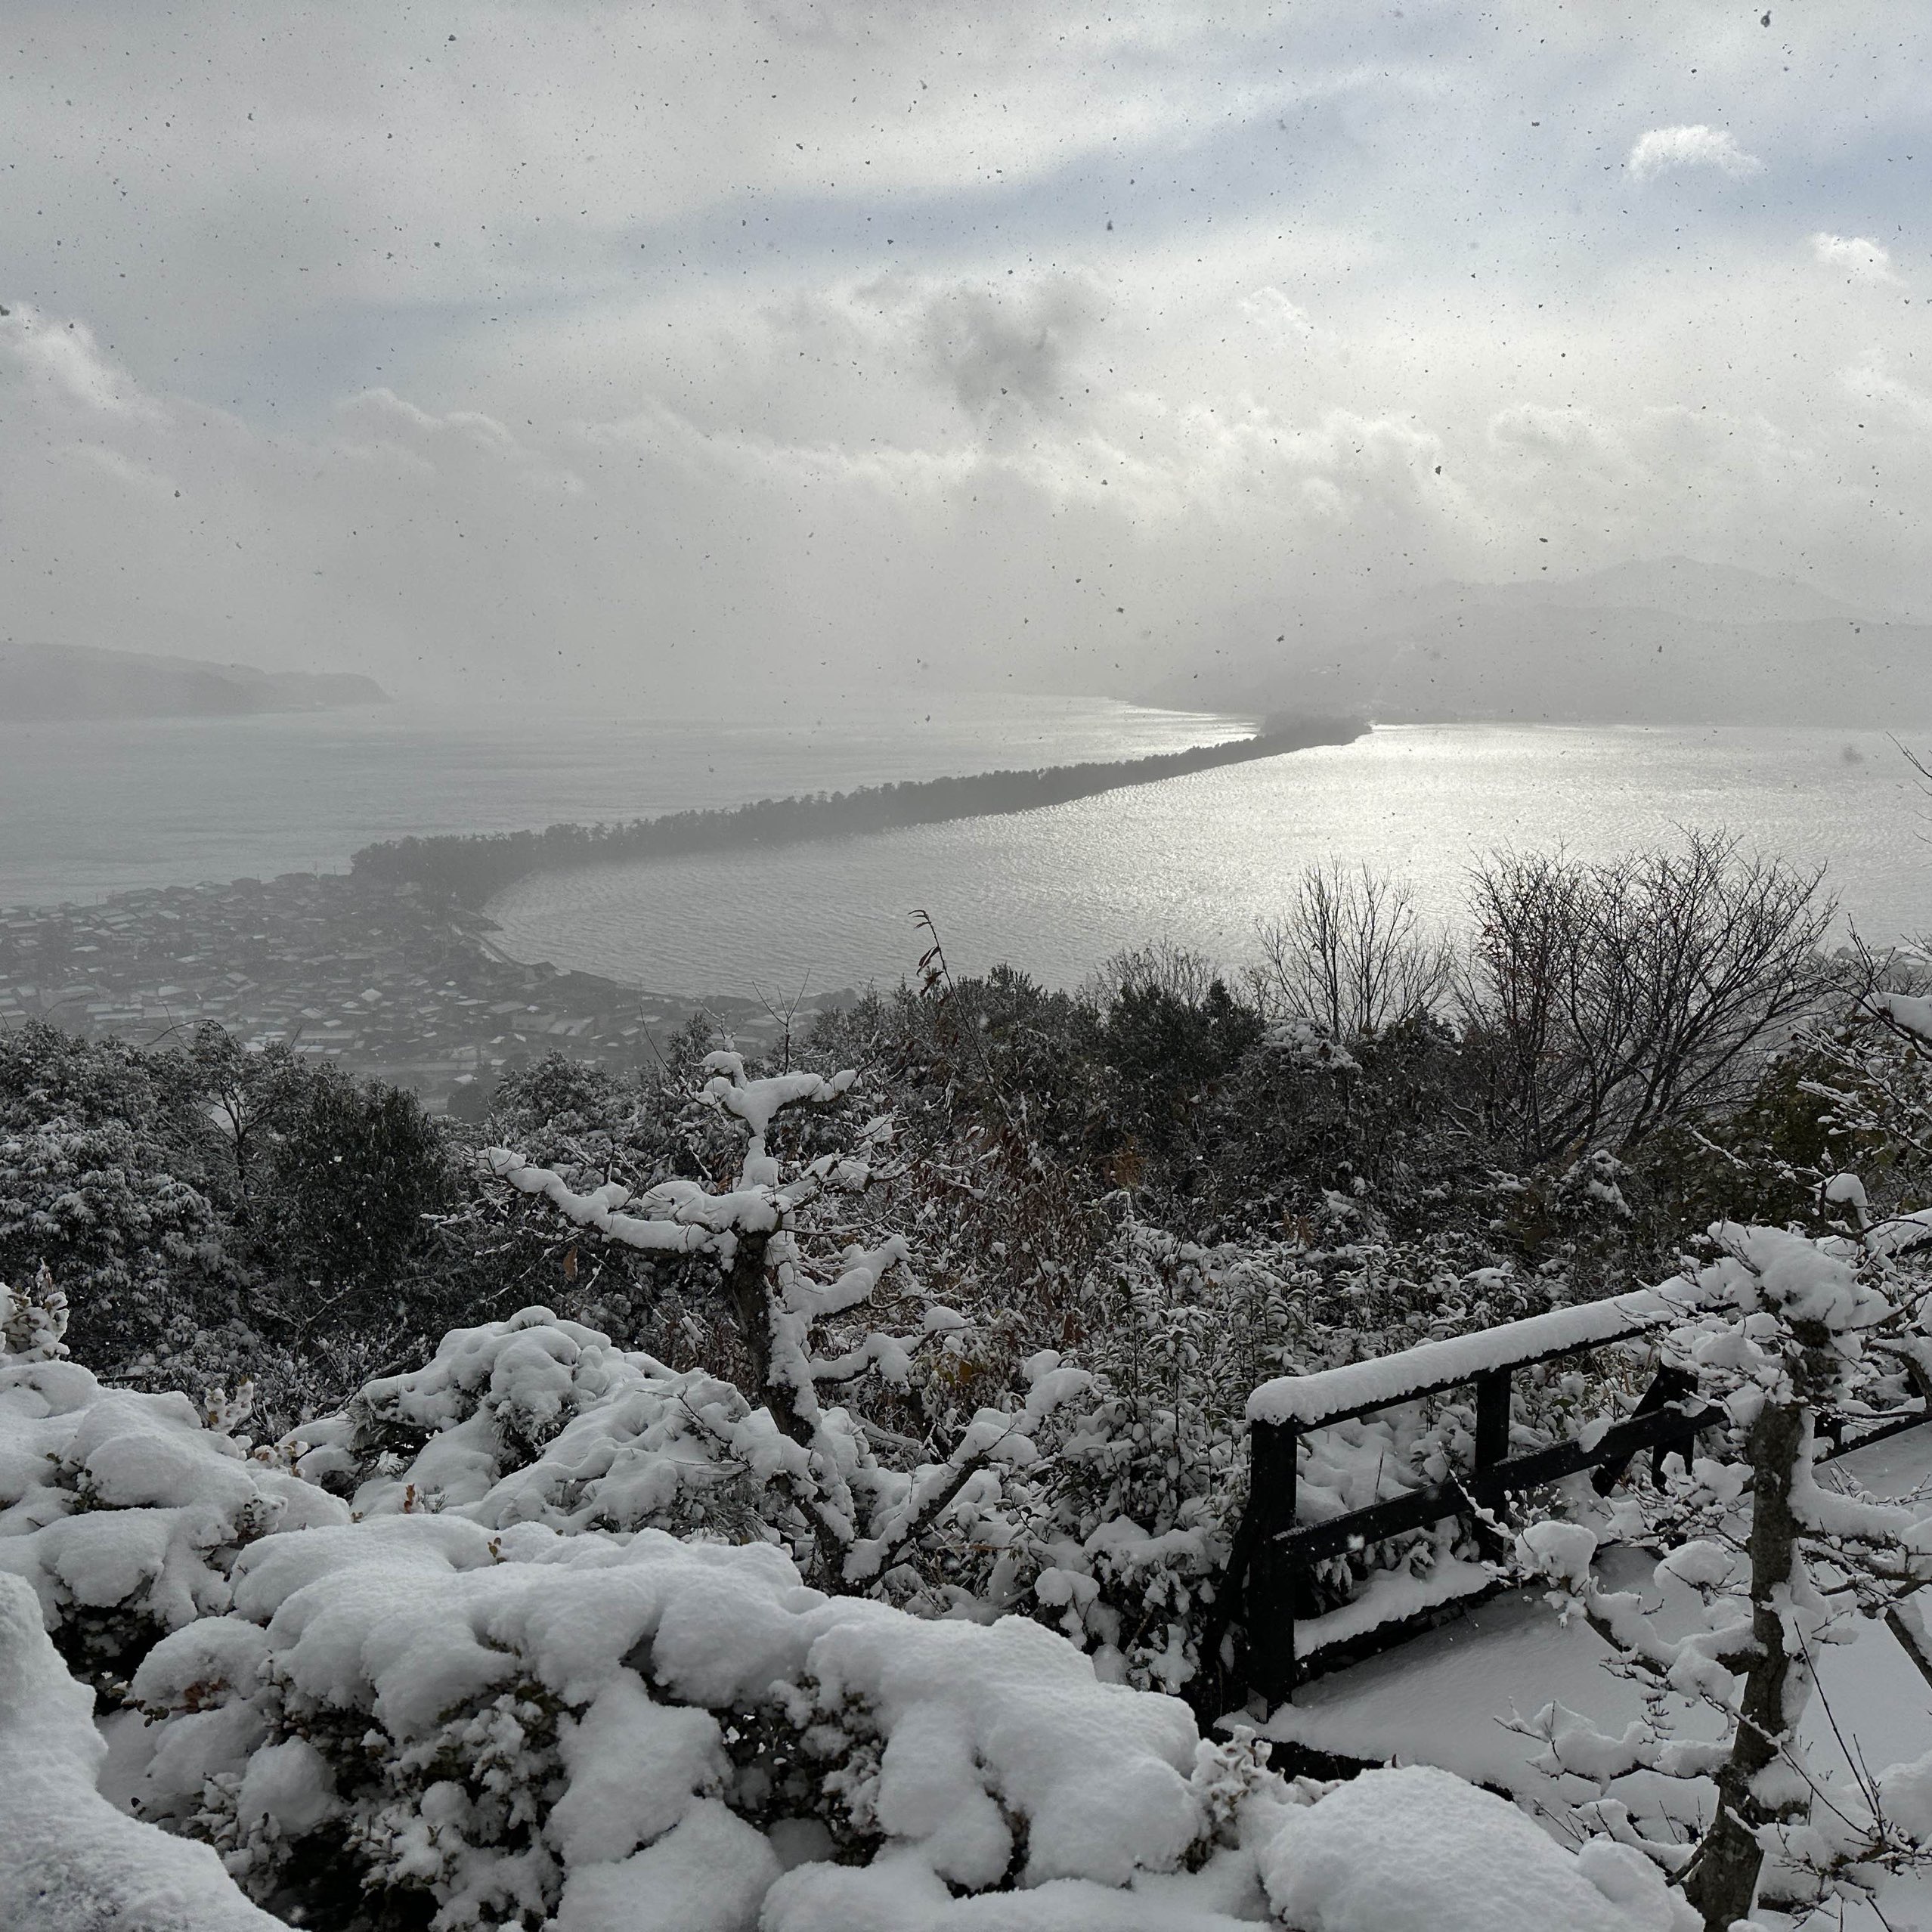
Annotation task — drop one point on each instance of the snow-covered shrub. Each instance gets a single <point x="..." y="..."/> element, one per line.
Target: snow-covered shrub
<point x="593" y="1125"/>
<point x="69" y="1861"/>
<point x="412" y="1715"/>
<point x="33" y="1320"/>
<point x="520" y="1724"/>
<point x="137" y="1249"/>
<point x="1119" y="1533"/>
<point x="124" y="1511"/>
<point x="537" y="1420"/>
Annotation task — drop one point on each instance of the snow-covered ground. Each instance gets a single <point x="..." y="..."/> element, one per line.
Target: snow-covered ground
<point x="516" y="1702"/>
<point x="1445" y="1698"/>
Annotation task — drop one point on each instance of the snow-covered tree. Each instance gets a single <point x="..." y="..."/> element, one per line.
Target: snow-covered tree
<point x="32" y="1320"/>
<point x="1766" y="1564"/>
<point x="801" y="1317"/>
<point x="138" y="1250"/>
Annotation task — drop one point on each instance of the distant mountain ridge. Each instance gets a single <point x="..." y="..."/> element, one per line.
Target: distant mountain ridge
<point x="48" y="681"/>
<point x="1671" y="641"/>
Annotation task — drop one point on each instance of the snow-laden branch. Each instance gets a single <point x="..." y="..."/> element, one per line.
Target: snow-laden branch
<point x="1908" y="1013"/>
<point x="679" y="1217"/>
<point x="1778" y="1326"/>
<point x="993" y="1436"/>
<point x="861" y="1516"/>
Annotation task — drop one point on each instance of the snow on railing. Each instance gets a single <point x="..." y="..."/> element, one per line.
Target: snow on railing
<point x="1275" y="1553"/>
<point x="1337" y="1395"/>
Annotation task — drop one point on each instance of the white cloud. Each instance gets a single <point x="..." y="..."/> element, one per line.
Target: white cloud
<point x="1662" y="150"/>
<point x="1882" y="396"/>
<point x="68" y="362"/>
<point x="1576" y="440"/>
<point x="819" y="332"/>
<point x="1856" y="257"/>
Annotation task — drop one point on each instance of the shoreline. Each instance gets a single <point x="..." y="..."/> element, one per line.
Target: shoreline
<point x="385" y="982"/>
<point x="394" y="979"/>
<point x="473" y="868"/>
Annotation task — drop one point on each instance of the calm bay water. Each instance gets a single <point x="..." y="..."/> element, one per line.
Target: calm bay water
<point x="86" y="809"/>
<point x="1200" y="860"/>
<point x="91" y="808"/>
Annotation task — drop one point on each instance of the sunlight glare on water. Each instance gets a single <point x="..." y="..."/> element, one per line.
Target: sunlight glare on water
<point x="1200" y="860"/>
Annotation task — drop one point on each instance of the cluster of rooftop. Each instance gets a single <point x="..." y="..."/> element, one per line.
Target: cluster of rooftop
<point x="385" y="978"/>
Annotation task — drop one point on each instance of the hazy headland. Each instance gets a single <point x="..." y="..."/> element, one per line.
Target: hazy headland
<point x="44" y="682"/>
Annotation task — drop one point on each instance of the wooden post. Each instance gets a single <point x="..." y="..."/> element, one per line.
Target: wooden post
<point x="1674" y="1385"/>
<point x="1670" y="1385"/>
<point x="1492" y="1448"/>
<point x="1492" y="1408"/>
<point x="1273" y="1587"/>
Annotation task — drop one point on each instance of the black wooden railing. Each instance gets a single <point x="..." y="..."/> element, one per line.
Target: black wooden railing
<point x="1271" y="1567"/>
<point x="1283" y="1553"/>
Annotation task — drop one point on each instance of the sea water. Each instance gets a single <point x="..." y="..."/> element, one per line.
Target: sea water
<point x="90" y="809"/>
<point x="96" y="807"/>
<point x="1204" y="859"/>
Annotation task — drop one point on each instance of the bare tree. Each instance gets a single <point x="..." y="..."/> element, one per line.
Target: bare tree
<point x="1352" y="955"/>
<point x="1616" y="998"/>
<point x="1162" y="963"/>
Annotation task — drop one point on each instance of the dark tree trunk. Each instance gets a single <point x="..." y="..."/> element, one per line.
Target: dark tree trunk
<point x="1722" y="1881"/>
<point x="749" y="1292"/>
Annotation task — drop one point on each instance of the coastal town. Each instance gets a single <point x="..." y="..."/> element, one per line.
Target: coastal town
<point x="385" y="980"/>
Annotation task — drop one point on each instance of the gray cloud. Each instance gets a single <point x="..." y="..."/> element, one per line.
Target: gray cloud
<point x="999" y="355"/>
<point x="997" y="344"/>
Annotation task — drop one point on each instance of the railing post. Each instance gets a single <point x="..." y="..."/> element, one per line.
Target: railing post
<point x="1492" y="1419"/>
<point x="1492" y="1448"/>
<point x="1273" y="1449"/>
<point x="1670" y="1385"/>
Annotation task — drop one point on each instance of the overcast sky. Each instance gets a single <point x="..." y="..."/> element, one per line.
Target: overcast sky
<point x="1038" y="343"/>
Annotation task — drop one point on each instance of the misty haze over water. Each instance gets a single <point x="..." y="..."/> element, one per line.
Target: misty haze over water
<point x="671" y="408"/>
<point x="101" y="807"/>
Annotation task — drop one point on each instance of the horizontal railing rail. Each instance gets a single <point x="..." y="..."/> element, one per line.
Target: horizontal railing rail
<point x="1268" y="1582"/>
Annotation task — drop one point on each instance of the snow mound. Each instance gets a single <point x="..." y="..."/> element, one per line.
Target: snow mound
<point x="537" y="1420"/>
<point x="1418" y="1850"/>
<point x="552" y="1723"/>
<point x="69" y="1861"/>
<point x="124" y="1512"/>
<point x="614" y="1735"/>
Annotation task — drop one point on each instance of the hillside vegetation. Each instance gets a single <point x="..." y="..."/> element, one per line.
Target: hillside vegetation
<point x="879" y="1404"/>
<point x="46" y="681"/>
